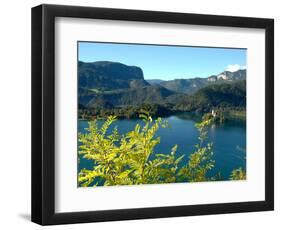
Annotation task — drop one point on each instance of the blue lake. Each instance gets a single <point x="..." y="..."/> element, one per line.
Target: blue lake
<point x="228" y="140"/>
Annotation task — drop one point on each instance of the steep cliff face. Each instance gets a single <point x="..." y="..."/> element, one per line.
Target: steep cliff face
<point x="104" y="75"/>
<point x="106" y="85"/>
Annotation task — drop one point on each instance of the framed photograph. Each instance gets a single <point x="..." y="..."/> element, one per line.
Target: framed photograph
<point x="142" y="114"/>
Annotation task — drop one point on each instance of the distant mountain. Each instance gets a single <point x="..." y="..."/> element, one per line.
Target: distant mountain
<point x="217" y="95"/>
<point x="192" y="85"/>
<point x="105" y="75"/>
<point x="230" y="76"/>
<point x="154" y="81"/>
<point x="107" y="85"/>
<point x="187" y="86"/>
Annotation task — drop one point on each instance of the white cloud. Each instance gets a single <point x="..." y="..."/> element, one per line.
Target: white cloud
<point x="235" y="67"/>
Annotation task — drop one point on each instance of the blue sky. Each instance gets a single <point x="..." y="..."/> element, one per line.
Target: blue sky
<point x="166" y="62"/>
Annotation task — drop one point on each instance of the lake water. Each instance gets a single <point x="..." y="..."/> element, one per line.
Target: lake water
<point x="228" y="140"/>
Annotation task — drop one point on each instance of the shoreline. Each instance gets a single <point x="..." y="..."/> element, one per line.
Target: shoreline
<point x="192" y="115"/>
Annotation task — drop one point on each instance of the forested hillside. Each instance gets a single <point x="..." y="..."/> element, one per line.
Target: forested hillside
<point x="109" y="88"/>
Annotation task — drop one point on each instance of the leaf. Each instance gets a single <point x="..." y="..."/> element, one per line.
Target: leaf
<point x="126" y="159"/>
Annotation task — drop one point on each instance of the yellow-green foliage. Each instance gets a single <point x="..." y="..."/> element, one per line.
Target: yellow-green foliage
<point x="200" y="162"/>
<point x="126" y="159"/>
<point x="238" y="174"/>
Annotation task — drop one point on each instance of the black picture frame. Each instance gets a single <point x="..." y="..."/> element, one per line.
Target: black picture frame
<point x="43" y="114"/>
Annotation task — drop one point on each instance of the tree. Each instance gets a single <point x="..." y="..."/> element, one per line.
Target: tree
<point x="131" y="159"/>
<point x="238" y="174"/>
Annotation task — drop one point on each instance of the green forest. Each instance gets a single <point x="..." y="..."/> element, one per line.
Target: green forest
<point x="108" y="88"/>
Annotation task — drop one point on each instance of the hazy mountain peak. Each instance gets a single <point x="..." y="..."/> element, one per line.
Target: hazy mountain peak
<point x="191" y="85"/>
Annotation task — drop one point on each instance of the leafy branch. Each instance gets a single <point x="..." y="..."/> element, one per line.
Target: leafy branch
<point x="130" y="158"/>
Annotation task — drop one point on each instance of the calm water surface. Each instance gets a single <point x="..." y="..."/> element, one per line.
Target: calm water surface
<point x="228" y="140"/>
